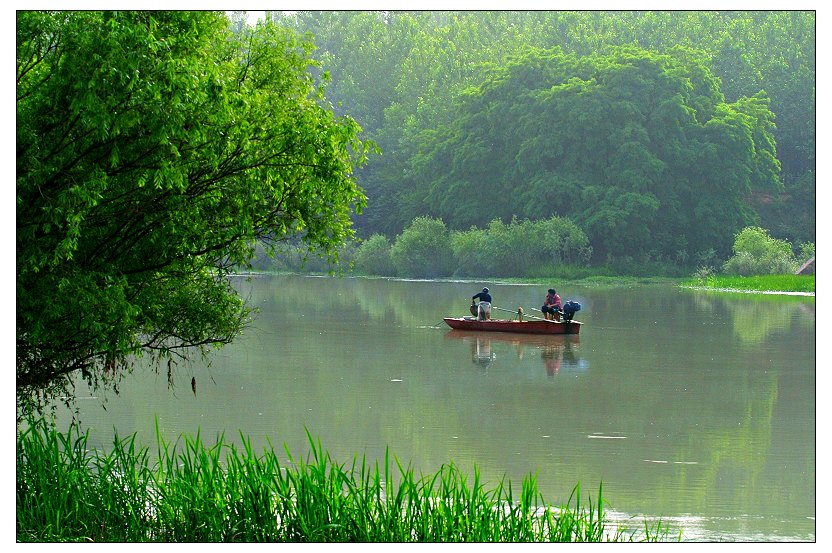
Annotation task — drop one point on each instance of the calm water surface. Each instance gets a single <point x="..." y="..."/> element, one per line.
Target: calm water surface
<point x="694" y="407"/>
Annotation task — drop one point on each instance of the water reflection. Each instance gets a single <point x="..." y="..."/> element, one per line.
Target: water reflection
<point x="755" y="318"/>
<point x="557" y="353"/>
<point x="481" y="353"/>
<point x="562" y="357"/>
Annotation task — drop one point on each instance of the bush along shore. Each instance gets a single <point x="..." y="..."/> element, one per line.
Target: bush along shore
<point x="198" y="493"/>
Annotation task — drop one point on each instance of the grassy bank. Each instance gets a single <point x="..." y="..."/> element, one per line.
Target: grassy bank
<point x="218" y="493"/>
<point x="803" y="284"/>
<point x="759" y="283"/>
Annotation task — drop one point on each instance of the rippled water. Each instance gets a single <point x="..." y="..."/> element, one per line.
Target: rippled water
<point x="693" y="407"/>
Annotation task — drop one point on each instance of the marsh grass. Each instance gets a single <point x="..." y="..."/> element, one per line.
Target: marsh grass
<point x="195" y="492"/>
<point x="758" y="283"/>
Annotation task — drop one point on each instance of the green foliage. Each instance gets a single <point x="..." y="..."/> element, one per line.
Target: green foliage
<point x="756" y="283"/>
<point x="703" y="273"/>
<point x="65" y="493"/>
<point x="212" y="493"/>
<point x="469" y="248"/>
<point x="807" y="251"/>
<point x="373" y="257"/>
<point x="507" y="247"/>
<point x="647" y="157"/>
<point x="155" y="150"/>
<point x="297" y="257"/>
<point x="757" y="253"/>
<point x="640" y="138"/>
<point x="423" y="249"/>
<point x="519" y="248"/>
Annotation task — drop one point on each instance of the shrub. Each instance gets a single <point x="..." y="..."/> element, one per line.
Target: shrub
<point x="757" y="253"/>
<point x="520" y="248"/>
<point x="373" y="257"/>
<point x="423" y="249"/>
<point x="704" y="272"/>
<point x="807" y="251"/>
<point x="299" y="258"/>
<point x="508" y="249"/>
<point x="468" y="248"/>
<point x="563" y="241"/>
<point x="707" y="258"/>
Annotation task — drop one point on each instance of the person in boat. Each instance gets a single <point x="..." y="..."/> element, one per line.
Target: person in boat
<point x="552" y="307"/>
<point x="484" y="307"/>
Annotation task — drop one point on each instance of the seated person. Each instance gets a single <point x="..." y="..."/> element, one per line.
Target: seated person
<point x="552" y="307"/>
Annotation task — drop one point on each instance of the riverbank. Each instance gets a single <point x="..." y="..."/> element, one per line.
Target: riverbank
<point x="798" y="285"/>
<point x="803" y="285"/>
<point x="217" y="493"/>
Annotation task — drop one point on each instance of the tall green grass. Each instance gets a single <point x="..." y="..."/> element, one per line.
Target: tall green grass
<point x="194" y="492"/>
<point x="758" y="283"/>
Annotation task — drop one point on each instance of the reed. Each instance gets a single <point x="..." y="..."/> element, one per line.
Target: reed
<point x="193" y="492"/>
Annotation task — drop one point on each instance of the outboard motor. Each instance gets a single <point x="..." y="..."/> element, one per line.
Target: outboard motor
<point x="569" y="310"/>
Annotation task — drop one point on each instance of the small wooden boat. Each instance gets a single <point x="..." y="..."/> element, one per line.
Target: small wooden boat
<point x="537" y="326"/>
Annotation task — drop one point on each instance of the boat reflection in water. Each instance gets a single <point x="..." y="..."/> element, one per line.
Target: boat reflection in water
<point x="559" y="353"/>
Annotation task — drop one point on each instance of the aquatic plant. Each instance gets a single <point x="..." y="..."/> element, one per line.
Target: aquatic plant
<point x="194" y="492"/>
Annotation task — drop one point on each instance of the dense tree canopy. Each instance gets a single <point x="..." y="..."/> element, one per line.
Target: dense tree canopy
<point x="640" y="149"/>
<point x="153" y="150"/>
<point x="400" y="74"/>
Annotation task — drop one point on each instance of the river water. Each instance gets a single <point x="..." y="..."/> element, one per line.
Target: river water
<point x="693" y="407"/>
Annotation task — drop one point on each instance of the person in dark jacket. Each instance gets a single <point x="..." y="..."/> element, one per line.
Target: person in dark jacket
<point x="484" y="307"/>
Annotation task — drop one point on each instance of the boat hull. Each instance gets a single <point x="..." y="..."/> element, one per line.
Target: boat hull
<point x="523" y="327"/>
<point x="515" y="338"/>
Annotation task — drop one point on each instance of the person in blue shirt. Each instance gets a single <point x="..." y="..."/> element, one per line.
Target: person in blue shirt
<point x="484" y="307"/>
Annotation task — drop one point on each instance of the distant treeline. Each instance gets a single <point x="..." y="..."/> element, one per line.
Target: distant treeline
<point x="554" y="247"/>
<point x="428" y="249"/>
<point x="659" y="134"/>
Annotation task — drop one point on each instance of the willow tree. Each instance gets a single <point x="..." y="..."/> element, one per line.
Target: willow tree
<point x="154" y="149"/>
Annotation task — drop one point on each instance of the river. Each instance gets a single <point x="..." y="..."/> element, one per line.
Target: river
<point x="693" y="407"/>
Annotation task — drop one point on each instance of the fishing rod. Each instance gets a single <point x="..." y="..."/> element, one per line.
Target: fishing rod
<point x="516" y="312"/>
<point x="524" y="314"/>
<point x="543" y="319"/>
